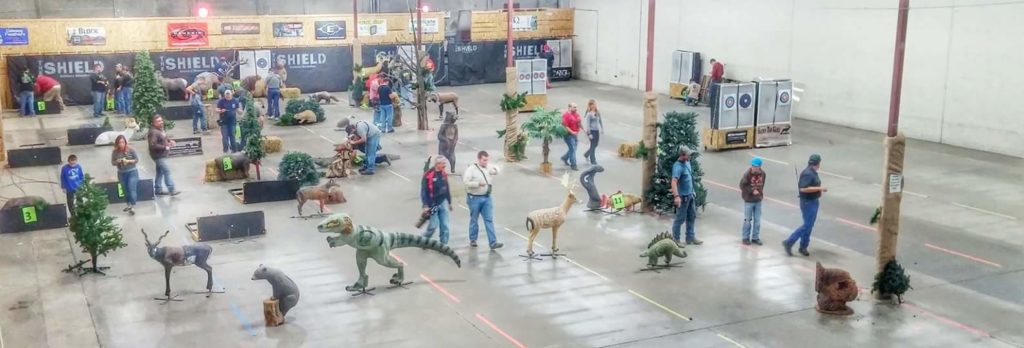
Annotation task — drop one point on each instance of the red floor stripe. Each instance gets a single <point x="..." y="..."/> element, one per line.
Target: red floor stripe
<point x="730" y="188"/>
<point x="854" y="224"/>
<point x="957" y="253"/>
<point x="439" y="288"/>
<point x="949" y="321"/>
<point x="397" y="258"/>
<point x="500" y="331"/>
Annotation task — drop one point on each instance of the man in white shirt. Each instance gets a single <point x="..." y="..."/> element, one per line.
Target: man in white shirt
<point x="478" y="179"/>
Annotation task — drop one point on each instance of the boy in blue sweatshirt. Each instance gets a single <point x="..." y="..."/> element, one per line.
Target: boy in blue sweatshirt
<point x="71" y="177"/>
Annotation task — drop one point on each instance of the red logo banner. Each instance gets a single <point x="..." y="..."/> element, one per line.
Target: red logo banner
<point x="187" y="34"/>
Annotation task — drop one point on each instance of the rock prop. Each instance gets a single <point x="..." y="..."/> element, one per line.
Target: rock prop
<point x="835" y="288"/>
<point x="328" y="193"/>
<point x="587" y="181"/>
<point x="285" y="294"/>
<point x="370" y="242"/>
<point x="227" y="167"/>
<point x="272" y="144"/>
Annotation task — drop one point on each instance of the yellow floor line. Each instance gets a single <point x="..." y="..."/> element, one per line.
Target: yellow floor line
<point x="732" y="341"/>
<point x="659" y="305"/>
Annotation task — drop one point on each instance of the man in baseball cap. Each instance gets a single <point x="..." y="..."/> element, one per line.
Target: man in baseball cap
<point x="685" y="197"/>
<point x="810" y="192"/>
<point x="752" y="191"/>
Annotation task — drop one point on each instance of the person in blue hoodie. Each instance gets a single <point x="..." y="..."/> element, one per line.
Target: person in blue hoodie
<point x="71" y="177"/>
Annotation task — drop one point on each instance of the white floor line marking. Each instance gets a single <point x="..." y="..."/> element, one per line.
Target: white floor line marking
<point x="586" y="269"/>
<point x="328" y="140"/>
<point x="731" y="341"/>
<point x="836" y="175"/>
<point x="752" y="154"/>
<point x="984" y="211"/>
<point x="919" y="195"/>
<point x="399" y="175"/>
<point x="659" y="305"/>
<point x="522" y="236"/>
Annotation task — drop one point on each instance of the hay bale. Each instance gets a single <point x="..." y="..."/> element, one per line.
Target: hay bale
<point x="260" y="88"/>
<point x="628" y="150"/>
<point x="272" y="144"/>
<point x="211" y="173"/>
<point x="291" y="92"/>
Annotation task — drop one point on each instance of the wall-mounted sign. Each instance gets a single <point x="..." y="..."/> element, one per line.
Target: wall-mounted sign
<point x="524" y="23"/>
<point x="13" y="36"/>
<point x="773" y="135"/>
<point x="373" y="27"/>
<point x="430" y="25"/>
<point x="187" y="34"/>
<point x="239" y="28"/>
<point x="330" y="30"/>
<point x="288" y="29"/>
<point x="87" y="36"/>
<point x="186" y="147"/>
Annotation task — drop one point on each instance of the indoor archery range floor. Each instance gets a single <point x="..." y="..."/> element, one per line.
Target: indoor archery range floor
<point x="961" y="240"/>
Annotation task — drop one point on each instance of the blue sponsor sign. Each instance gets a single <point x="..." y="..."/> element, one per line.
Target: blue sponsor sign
<point x="13" y="36"/>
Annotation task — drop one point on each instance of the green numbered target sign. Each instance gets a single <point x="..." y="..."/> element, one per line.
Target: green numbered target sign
<point x="120" y="190"/>
<point x="28" y="214"/>
<point x="227" y="164"/>
<point x="618" y="201"/>
<point x="41" y="106"/>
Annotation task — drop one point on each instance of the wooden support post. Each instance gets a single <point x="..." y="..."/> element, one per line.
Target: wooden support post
<point x="650" y="139"/>
<point x="892" y="196"/>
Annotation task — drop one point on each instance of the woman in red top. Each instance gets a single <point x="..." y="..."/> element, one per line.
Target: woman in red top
<point x="571" y="121"/>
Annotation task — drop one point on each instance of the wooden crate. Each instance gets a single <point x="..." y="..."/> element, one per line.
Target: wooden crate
<point x="533" y="101"/>
<point x="675" y="90"/>
<point x="724" y="139"/>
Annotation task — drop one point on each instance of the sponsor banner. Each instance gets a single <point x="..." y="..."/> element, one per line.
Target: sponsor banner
<point x="524" y="23"/>
<point x="484" y="62"/>
<point x="294" y="29"/>
<point x="314" y="69"/>
<point x="72" y="70"/>
<point x="186" y="147"/>
<point x="430" y="25"/>
<point x="188" y="64"/>
<point x="87" y="36"/>
<point x="187" y="35"/>
<point x="13" y="36"/>
<point x="373" y="27"/>
<point x="736" y="137"/>
<point x="239" y="28"/>
<point x="330" y="30"/>
<point x="773" y="135"/>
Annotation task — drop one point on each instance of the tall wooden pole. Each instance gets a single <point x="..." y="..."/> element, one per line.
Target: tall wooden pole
<point x="422" y="123"/>
<point x="511" y="124"/>
<point x="508" y="36"/>
<point x="357" y="47"/>
<point x="895" y="146"/>
<point x="650" y="108"/>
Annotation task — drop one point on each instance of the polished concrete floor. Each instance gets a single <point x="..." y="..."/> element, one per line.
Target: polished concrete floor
<point x="962" y="241"/>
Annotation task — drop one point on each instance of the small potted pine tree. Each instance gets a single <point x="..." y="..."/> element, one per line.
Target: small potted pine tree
<point x="252" y="136"/>
<point x="545" y="125"/>
<point x="298" y="166"/>
<point x="94" y="230"/>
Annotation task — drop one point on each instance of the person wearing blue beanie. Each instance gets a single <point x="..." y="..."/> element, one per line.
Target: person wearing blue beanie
<point x="752" y="191"/>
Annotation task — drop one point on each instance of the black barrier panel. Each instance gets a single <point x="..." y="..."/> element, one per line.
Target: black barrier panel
<point x="85" y="136"/>
<point x="229" y="226"/>
<point x="72" y="70"/>
<point x="177" y="112"/>
<point x="269" y="191"/>
<point x="315" y="69"/>
<point x="47" y="107"/>
<point x="28" y="218"/>
<point x="484" y="62"/>
<point x="37" y="156"/>
<point x="117" y="194"/>
<point x="188" y="64"/>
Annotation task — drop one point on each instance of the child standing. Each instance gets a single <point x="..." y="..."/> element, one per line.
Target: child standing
<point x="71" y="177"/>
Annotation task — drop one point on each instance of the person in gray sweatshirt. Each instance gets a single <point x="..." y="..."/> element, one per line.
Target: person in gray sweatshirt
<point x="125" y="159"/>
<point x="594" y="127"/>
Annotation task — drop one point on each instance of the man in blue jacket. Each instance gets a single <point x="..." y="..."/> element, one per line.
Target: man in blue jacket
<point x="71" y="177"/>
<point x="436" y="198"/>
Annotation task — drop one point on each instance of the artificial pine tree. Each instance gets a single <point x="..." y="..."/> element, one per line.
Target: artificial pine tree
<point x="677" y="129"/>
<point x="545" y="125"/>
<point x="94" y="230"/>
<point x="298" y="166"/>
<point x="252" y="136"/>
<point x="147" y="96"/>
<point x="892" y="280"/>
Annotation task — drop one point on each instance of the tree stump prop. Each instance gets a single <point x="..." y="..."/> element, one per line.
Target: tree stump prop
<point x="272" y="313"/>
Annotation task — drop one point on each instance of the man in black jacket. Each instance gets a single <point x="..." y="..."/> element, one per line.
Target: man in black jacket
<point x="99" y="90"/>
<point x="26" y="94"/>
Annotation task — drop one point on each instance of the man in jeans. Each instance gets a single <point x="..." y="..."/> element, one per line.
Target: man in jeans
<point x="228" y="106"/>
<point x="26" y="94"/>
<point x="810" y="191"/>
<point x="124" y="90"/>
<point x="159" y="146"/>
<point x="436" y="198"/>
<point x="478" y="180"/>
<point x="752" y="190"/>
<point x="198" y="108"/>
<point x="273" y="95"/>
<point x="387" y="109"/>
<point x="99" y="90"/>
<point x="365" y="133"/>
<point x="685" y="197"/>
<point x="571" y="121"/>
